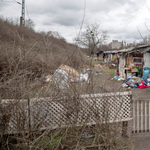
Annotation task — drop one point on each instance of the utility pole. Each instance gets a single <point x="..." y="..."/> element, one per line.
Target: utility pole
<point x="22" y="18"/>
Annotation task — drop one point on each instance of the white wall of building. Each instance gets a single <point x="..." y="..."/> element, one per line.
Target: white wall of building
<point x="146" y="60"/>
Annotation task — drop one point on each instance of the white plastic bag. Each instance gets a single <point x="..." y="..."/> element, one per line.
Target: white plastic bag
<point x="61" y="79"/>
<point x="84" y="77"/>
<point x="124" y="85"/>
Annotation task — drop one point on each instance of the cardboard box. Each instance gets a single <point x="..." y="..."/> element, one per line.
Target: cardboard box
<point x="134" y="70"/>
<point x="100" y="58"/>
<point x="128" y="71"/>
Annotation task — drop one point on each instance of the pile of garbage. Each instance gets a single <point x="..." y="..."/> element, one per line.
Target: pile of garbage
<point x="137" y="82"/>
<point x="65" y="75"/>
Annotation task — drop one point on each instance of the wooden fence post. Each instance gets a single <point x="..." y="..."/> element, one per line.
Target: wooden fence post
<point x="124" y="128"/>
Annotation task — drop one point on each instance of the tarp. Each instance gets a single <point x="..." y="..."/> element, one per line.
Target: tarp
<point x="70" y="71"/>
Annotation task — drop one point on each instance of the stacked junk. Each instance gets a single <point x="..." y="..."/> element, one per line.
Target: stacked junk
<point x="137" y="82"/>
<point x="65" y="75"/>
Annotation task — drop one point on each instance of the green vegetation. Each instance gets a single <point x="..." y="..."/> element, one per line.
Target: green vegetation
<point x="95" y="62"/>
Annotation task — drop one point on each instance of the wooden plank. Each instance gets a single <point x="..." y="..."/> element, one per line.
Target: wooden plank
<point x="137" y="116"/>
<point x="141" y="115"/>
<point x="149" y="114"/>
<point x="133" y="117"/>
<point x="127" y="93"/>
<point x="145" y="116"/>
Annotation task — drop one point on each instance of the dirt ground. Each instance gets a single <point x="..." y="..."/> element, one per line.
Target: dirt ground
<point x="104" y="83"/>
<point x="141" y="141"/>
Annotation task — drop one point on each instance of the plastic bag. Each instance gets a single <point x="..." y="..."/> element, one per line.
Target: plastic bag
<point x="124" y="85"/>
<point x="145" y="74"/>
<point x="61" y="79"/>
<point x="84" y="77"/>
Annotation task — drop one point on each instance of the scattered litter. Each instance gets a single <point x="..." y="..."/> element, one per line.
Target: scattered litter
<point x="138" y="80"/>
<point x="124" y="85"/>
<point x="112" y="66"/>
<point x="85" y="136"/>
<point x="143" y="85"/>
<point x="135" y="82"/>
<point x="117" y="77"/>
<point x="89" y="71"/>
<point x="121" y="79"/>
<point x="82" y="78"/>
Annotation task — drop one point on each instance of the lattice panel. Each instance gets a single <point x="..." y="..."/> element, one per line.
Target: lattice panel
<point x="44" y="113"/>
<point x="89" y="109"/>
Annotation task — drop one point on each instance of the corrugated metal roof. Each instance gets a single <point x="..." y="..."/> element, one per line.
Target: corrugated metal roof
<point x="126" y="49"/>
<point x="119" y="51"/>
<point x="140" y="49"/>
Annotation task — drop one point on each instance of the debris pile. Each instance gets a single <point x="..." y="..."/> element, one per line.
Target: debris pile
<point x="65" y="75"/>
<point x="137" y="82"/>
<point x="70" y="71"/>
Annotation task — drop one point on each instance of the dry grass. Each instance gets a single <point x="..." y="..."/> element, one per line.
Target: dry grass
<point x="26" y="58"/>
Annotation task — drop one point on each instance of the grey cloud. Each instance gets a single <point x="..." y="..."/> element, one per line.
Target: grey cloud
<point x="66" y="18"/>
<point x="126" y="34"/>
<point x="69" y="5"/>
<point x="3" y="5"/>
<point x="116" y="16"/>
<point x="66" y="13"/>
<point x="55" y="7"/>
<point x="110" y="5"/>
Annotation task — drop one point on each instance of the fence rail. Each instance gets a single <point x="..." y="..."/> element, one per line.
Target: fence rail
<point x="141" y="116"/>
<point x="48" y="113"/>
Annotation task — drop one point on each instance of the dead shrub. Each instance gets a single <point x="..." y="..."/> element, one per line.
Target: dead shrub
<point x="25" y="58"/>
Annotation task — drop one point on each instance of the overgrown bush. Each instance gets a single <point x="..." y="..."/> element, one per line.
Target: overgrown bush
<point x="26" y="58"/>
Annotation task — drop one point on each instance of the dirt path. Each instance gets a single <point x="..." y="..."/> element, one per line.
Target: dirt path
<point x="103" y="83"/>
<point x="142" y="141"/>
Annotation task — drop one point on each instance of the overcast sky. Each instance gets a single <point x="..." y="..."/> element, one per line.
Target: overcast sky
<point x="120" y="18"/>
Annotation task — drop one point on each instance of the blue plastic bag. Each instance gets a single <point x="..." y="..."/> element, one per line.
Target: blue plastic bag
<point x="145" y="74"/>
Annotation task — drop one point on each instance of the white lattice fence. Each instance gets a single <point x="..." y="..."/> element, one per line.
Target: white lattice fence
<point x="87" y="109"/>
<point x="44" y="113"/>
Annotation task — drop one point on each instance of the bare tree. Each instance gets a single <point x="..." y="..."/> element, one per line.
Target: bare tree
<point x="92" y="38"/>
<point x="30" y="24"/>
<point x="146" y="38"/>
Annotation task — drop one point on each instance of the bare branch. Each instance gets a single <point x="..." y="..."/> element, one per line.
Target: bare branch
<point x="140" y="33"/>
<point x="148" y="8"/>
<point x="147" y="27"/>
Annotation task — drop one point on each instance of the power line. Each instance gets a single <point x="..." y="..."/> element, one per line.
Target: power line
<point x="82" y="19"/>
<point x="17" y="2"/>
<point x="14" y="1"/>
<point x="27" y="11"/>
<point x="7" y="1"/>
